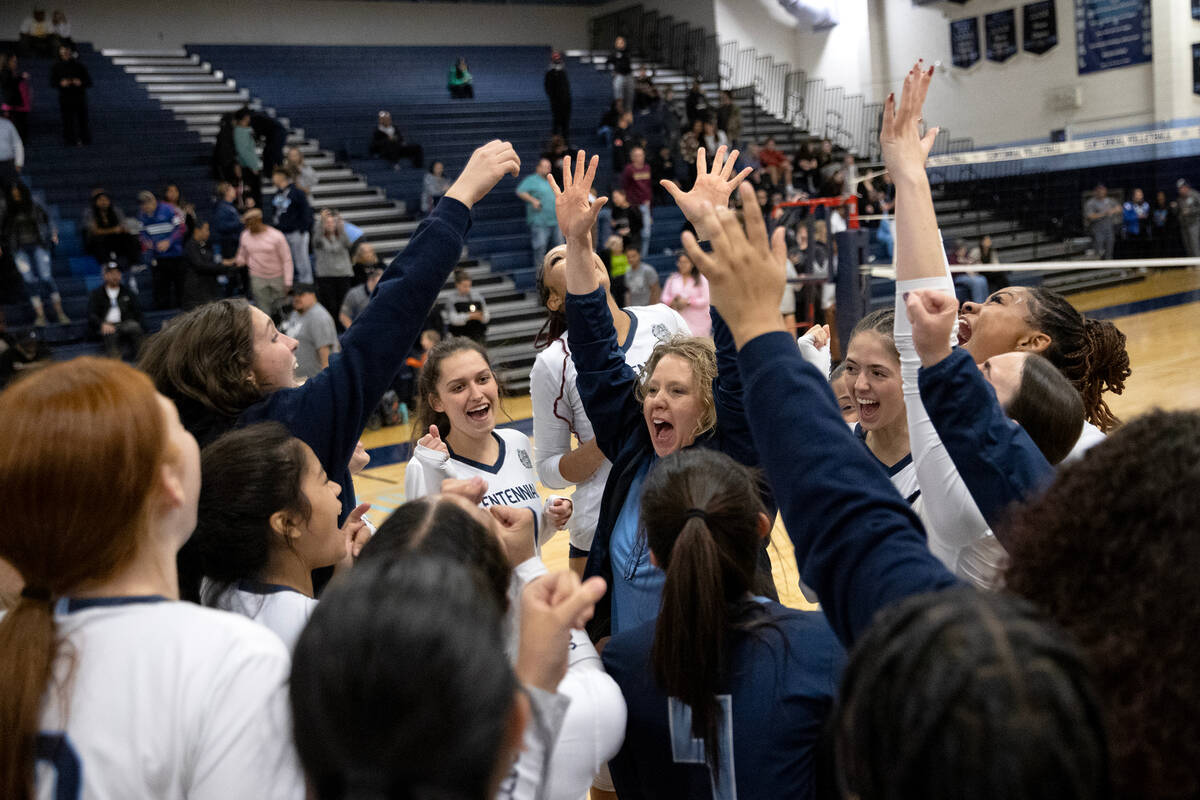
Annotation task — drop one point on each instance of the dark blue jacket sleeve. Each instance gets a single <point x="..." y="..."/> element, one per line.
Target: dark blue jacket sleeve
<point x="606" y="383"/>
<point x="857" y="542"/>
<point x="329" y="411"/>
<point x="997" y="460"/>
<point x="733" y="432"/>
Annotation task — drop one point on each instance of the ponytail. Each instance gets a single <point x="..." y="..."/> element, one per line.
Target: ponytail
<point x="556" y="321"/>
<point x="28" y="630"/>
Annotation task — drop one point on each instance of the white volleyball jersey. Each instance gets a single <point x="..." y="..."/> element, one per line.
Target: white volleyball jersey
<point x="165" y="700"/>
<point x="558" y="410"/>
<point x="280" y="608"/>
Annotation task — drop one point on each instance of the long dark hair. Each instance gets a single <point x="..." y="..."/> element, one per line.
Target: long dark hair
<point x="427" y="381"/>
<point x="556" y="319"/>
<point x="962" y="693"/>
<point x="700" y="509"/>
<point x="1090" y="352"/>
<point x="1048" y="407"/>
<point x="247" y="475"/>
<point x="400" y="686"/>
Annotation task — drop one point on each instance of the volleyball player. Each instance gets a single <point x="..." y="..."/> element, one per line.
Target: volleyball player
<point x="109" y="687"/>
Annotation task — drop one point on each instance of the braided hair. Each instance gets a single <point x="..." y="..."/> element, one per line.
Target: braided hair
<point x="1090" y="352"/>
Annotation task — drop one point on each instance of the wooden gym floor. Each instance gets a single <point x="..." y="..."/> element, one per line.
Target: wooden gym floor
<point x="1159" y="315"/>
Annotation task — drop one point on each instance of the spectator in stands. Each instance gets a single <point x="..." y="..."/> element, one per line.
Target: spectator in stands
<point x="173" y="195"/>
<point x="713" y="137"/>
<point x="459" y="82"/>
<point x="273" y="136"/>
<point x="1100" y="213"/>
<point x="12" y="153"/>
<point x="538" y="196"/>
<point x="622" y="141"/>
<point x="778" y="167"/>
<point x="302" y="175"/>
<point x="970" y="283"/>
<point x="434" y="187"/>
<point x="558" y="90"/>
<point x="72" y="80"/>
<point x="163" y="229"/>
<point x="335" y="274"/>
<point x="62" y="29"/>
<point x="626" y="221"/>
<point x="1162" y="218"/>
<point x="555" y="150"/>
<point x="294" y="219"/>
<point x="1135" y="216"/>
<point x="696" y="103"/>
<point x="19" y="355"/>
<point x="689" y="143"/>
<point x="824" y="154"/>
<point x="617" y="265"/>
<point x="224" y="155"/>
<point x="365" y="258"/>
<point x="663" y="167"/>
<point x="985" y="253"/>
<point x="226" y="220"/>
<point x="729" y="117"/>
<point x="28" y="235"/>
<point x="203" y="269"/>
<point x="357" y="298"/>
<point x="249" y="165"/>
<point x="115" y="316"/>
<point x="641" y="282"/>
<point x="265" y="253"/>
<point x="37" y="34"/>
<point x="622" y="69"/>
<point x="1189" y="218"/>
<point x="466" y="310"/>
<point x="388" y="143"/>
<point x="311" y="325"/>
<point x="686" y="291"/>
<point x="106" y="237"/>
<point x="834" y="185"/>
<point x="645" y="95"/>
<point x="16" y="95"/>
<point x="635" y="182"/>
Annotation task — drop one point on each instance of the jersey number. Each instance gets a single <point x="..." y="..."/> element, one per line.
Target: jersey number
<point x="687" y="750"/>
<point x="55" y="749"/>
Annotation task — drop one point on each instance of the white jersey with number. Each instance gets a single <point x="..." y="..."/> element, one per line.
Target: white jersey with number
<point x="558" y="410"/>
<point x="167" y="700"/>
<point x="280" y="608"/>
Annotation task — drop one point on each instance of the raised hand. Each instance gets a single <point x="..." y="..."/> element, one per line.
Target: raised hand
<point x="356" y="532"/>
<point x="573" y="206"/>
<point x="550" y="607"/>
<point x="483" y="171"/>
<point x="933" y="315"/>
<point x="472" y="489"/>
<point x="712" y="187"/>
<point x="517" y="529"/>
<point x="559" y="510"/>
<point x="746" y="271"/>
<point x="904" y="149"/>
<point x="433" y="441"/>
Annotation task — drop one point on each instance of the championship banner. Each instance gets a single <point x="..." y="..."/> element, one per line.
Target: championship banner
<point x="1041" y="26"/>
<point x="964" y="42"/>
<point x="1110" y="34"/>
<point x="1000" y="33"/>
<point x="1022" y="152"/>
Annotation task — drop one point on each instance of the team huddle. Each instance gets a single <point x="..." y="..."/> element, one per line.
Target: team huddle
<point x="199" y="608"/>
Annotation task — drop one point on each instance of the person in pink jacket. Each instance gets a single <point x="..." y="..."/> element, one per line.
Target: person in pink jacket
<point x="686" y="291"/>
<point x="264" y="251"/>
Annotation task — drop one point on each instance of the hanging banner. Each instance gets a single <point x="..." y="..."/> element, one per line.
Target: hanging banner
<point x="1110" y="34"/>
<point x="1000" y="30"/>
<point x="1095" y="144"/>
<point x="964" y="42"/>
<point x="1041" y="26"/>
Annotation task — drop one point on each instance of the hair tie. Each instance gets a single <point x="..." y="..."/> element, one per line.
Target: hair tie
<point x="697" y="513"/>
<point x="36" y="593"/>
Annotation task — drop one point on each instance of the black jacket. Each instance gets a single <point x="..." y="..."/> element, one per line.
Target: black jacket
<point x="558" y="86"/>
<point x="201" y="270"/>
<point x="67" y="70"/>
<point x="98" y="308"/>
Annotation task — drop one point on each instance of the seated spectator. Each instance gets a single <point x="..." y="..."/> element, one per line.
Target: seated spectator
<point x="689" y="143"/>
<point x="163" y="229"/>
<point x="776" y="164"/>
<point x="713" y="137"/>
<point x="294" y="219"/>
<point x="249" y="166"/>
<point x="435" y="185"/>
<point x="824" y="153"/>
<point x="266" y="255"/>
<point x="388" y="143"/>
<point x="27" y="234"/>
<point x="16" y="97"/>
<point x="301" y="174"/>
<point x="834" y="185"/>
<point x="686" y="291"/>
<point x="172" y="194"/>
<point x="729" y="117"/>
<point x="460" y="83"/>
<point x="971" y="284"/>
<point x="554" y="151"/>
<point x="696" y="103"/>
<point x="635" y="182"/>
<point x="357" y="298"/>
<point x="641" y="282"/>
<point x="37" y="34"/>
<point x="313" y="329"/>
<point x="62" y="29"/>
<point x="466" y="310"/>
<point x="17" y="355"/>
<point x="331" y="247"/>
<point x="985" y="253"/>
<point x="115" y="316"/>
<point x="106" y="236"/>
<point x="202" y="269"/>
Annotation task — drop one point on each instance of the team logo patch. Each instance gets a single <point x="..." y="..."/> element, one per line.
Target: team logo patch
<point x="660" y="332"/>
<point x="524" y="457"/>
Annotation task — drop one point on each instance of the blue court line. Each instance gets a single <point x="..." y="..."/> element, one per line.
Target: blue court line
<point x="1142" y="306"/>
<point x="400" y="453"/>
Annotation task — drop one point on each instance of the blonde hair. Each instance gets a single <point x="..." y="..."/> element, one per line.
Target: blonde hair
<point x="701" y="354"/>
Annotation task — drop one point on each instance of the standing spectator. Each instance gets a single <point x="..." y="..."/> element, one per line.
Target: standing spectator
<point x="729" y="117"/>
<point x="622" y="141"/>
<point x="12" y="153"/>
<point x="267" y="257"/>
<point x="669" y="119"/>
<point x="622" y="68"/>
<point x="686" y="291"/>
<point x="62" y="29"/>
<point x="558" y="89"/>
<point x="294" y="219"/>
<point x="106" y="237"/>
<point x="459" y="82"/>
<point x="224" y="165"/>
<point x="662" y="168"/>
<point x="645" y="95"/>
<point x="466" y="310"/>
<point x="696" y="103"/>
<point x="364" y="258"/>
<point x="115" y="316"/>
<point x="434" y="186"/>
<point x="173" y="195"/>
<point x="1161" y="218"/>
<point x="37" y="34"/>
<point x="1099" y="213"/>
<point x="304" y="176"/>
<point x="357" y="298"/>
<point x="641" y="282"/>
<point x="273" y="136"/>
<point x="1189" y="218"/>
<point x="28" y="235"/>
<point x="72" y="80"/>
<point x="689" y="143"/>
<point x="249" y="165"/>
<point x="202" y="269"/>
<point x="538" y="196"/>
<point x="825" y="153"/>
<point x="16" y="95"/>
<point x="226" y="221"/>
<point x="635" y="182"/>
<point x="1135" y="213"/>
<point x="388" y="143"/>
<point x="626" y="222"/>
<point x="335" y="274"/>
<point x="163" y="229"/>
<point x="311" y="325"/>
<point x="556" y="149"/>
<point x="618" y="267"/>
